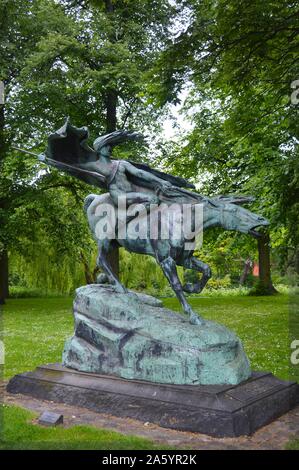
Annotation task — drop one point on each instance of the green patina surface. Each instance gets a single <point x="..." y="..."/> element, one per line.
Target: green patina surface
<point x="133" y="336"/>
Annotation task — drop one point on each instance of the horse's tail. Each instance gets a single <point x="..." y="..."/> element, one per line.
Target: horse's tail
<point x="88" y="200"/>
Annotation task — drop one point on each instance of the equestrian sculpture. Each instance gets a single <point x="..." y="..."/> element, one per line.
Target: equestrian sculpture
<point x="155" y="192"/>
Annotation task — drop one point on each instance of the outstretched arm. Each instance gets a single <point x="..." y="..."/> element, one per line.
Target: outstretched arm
<point x="145" y="175"/>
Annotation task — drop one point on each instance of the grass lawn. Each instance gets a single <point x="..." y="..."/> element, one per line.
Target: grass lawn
<point x="20" y="432"/>
<point x="293" y="445"/>
<point x="35" y="330"/>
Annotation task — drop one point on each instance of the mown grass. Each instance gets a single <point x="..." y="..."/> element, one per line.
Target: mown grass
<point x="293" y="444"/>
<point x="20" y="431"/>
<point x="35" y="329"/>
<point x="34" y="332"/>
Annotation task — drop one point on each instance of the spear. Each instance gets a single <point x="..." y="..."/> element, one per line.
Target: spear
<point x="40" y="156"/>
<point x="79" y="172"/>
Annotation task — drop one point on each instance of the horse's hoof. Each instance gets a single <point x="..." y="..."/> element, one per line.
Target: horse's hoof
<point x="120" y="289"/>
<point x="196" y="320"/>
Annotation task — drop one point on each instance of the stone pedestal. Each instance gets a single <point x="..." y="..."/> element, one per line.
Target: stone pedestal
<point x="217" y="410"/>
<point x="132" y="336"/>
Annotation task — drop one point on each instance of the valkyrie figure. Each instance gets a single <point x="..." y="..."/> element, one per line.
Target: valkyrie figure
<point x="68" y="151"/>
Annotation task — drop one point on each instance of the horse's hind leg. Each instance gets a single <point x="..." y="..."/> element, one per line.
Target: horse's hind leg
<point x="197" y="265"/>
<point x="102" y="261"/>
<point x="168" y="266"/>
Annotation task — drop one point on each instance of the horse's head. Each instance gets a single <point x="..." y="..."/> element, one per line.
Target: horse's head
<point x="231" y="216"/>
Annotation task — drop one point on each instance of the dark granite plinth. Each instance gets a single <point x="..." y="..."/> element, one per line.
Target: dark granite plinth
<point x="217" y="410"/>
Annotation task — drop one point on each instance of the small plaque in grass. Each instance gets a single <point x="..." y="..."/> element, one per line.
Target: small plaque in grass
<point x="48" y="418"/>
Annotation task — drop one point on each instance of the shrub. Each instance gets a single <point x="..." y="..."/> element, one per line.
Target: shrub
<point x="219" y="283"/>
<point x="17" y="292"/>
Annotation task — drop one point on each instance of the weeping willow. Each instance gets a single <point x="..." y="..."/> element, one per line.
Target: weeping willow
<point x="50" y="268"/>
<point x="44" y="272"/>
<point x="142" y="272"/>
<point x="58" y="255"/>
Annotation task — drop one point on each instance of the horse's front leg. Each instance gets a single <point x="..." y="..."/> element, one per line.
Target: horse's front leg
<point x="197" y="265"/>
<point x="102" y="261"/>
<point x="168" y="266"/>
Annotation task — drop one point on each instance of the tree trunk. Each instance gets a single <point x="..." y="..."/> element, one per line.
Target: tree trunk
<point x="246" y="270"/>
<point x="111" y="107"/>
<point x="296" y="261"/>
<point x="3" y="254"/>
<point x="4" y="290"/>
<point x="265" y="286"/>
<point x="109" y="6"/>
<point x="111" y="125"/>
<point x="89" y="275"/>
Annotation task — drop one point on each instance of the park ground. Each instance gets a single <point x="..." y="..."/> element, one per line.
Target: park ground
<point x="35" y="329"/>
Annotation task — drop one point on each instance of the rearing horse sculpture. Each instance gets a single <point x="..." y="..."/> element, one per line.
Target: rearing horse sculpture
<point x="138" y="184"/>
<point x="171" y="252"/>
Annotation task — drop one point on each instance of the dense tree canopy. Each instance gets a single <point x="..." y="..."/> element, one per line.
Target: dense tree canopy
<point x="86" y="60"/>
<point x="241" y="59"/>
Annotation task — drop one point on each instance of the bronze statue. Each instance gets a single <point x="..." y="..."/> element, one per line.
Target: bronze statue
<point x="158" y="193"/>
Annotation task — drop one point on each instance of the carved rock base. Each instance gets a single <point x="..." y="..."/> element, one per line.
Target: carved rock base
<point x="134" y="337"/>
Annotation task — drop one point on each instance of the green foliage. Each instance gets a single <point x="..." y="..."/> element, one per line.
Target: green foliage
<point x="57" y="236"/>
<point x="19" y="292"/>
<point x="240" y="59"/>
<point x="69" y="58"/>
<point x="223" y="291"/>
<point x="84" y="54"/>
<point x="219" y="283"/>
<point x="142" y="272"/>
<point x="66" y="59"/>
<point x="293" y="444"/>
